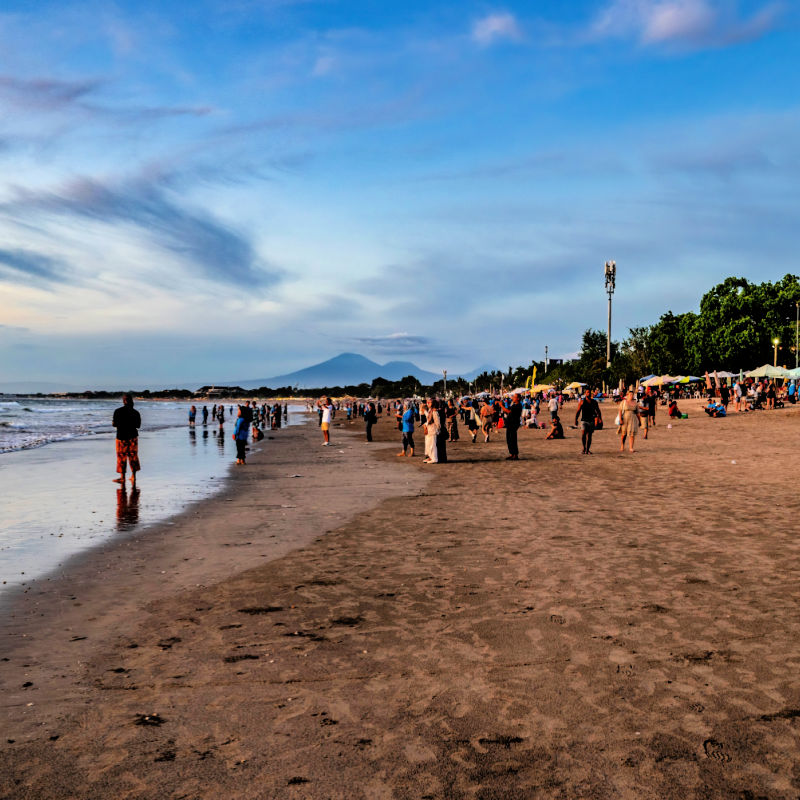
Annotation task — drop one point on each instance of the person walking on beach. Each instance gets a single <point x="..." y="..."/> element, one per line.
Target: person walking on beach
<point x="628" y="421"/>
<point x="586" y="415"/>
<point x="407" y="428"/>
<point x="650" y="403"/>
<point x="240" y="433"/>
<point x="205" y="415"/>
<point x="370" y="418"/>
<point x="326" y="417"/>
<point x="451" y="420"/>
<point x="433" y="427"/>
<point x="127" y="421"/>
<point x="487" y="414"/>
<point x="513" y="418"/>
<point x="192" y="416"/>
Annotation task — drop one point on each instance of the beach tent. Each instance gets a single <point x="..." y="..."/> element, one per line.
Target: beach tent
<point x="767" y="371"/>
<point x="793" y="373"/>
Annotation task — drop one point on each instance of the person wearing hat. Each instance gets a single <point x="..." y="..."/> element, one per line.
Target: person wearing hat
<point x="513" y="418"/>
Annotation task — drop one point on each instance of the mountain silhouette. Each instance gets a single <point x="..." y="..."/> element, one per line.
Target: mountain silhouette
<point x="346" y="369"/>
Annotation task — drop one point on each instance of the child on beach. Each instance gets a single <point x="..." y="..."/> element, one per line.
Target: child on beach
<point x="240" y="432"/>
<point x="556" y="429"/>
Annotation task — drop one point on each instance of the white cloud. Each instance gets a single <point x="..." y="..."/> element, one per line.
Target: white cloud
<point x="495" y="27"/>
<point x="324" y="65"/>
<point x="692" y="22"/>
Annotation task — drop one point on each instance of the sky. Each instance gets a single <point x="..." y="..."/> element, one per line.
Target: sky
<point x="206" y="191"/>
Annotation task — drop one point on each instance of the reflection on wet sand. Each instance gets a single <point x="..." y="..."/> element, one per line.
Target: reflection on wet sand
<point x="193" y="436"/>
<point x="127" y="508"/>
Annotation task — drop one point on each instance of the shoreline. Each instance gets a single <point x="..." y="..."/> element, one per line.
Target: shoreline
<point x="62" y="617"/>
<point x="59" y="499"/>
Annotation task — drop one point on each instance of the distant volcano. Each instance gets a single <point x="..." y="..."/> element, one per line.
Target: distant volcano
<point x="348" y="369"/>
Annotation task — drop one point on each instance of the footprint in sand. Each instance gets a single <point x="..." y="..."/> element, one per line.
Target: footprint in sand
<point x="715" y="750"/>
<point x="557" y="618"/>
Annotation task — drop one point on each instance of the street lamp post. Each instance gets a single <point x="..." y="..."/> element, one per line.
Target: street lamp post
<point x="796" y="332"/>
<point x="775" y="343"/>
<point x="611" y="278"/>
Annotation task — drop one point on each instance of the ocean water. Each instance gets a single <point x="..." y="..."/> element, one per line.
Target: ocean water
<point x="35" y="421"/>
<point x="57" y="464"/>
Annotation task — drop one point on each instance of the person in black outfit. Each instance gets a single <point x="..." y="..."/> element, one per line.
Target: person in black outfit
<point x="441" y="439"/>
<point x="127" y="421"/>
<point x="649" y="401"/>
<point x="513" y="415"/>
<point x="588" y="412"/>
<point x="370" y="418"/>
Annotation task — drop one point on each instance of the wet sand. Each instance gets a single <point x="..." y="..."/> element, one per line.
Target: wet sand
<point x="563" y="626"/>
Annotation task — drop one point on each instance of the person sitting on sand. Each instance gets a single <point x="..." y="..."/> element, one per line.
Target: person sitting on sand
<point x="673" y="412"/>
<point x="714" y="409"/>
<point x="556" y="429"/>
<point x="127" y="421"/>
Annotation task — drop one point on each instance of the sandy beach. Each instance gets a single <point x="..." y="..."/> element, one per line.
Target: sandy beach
<point x="343" y="623"/>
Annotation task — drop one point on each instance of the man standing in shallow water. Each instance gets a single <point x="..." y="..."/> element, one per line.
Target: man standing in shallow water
<point x="127" y="421"/>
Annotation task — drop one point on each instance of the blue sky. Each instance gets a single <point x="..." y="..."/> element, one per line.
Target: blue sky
<point x="219" y="190"/>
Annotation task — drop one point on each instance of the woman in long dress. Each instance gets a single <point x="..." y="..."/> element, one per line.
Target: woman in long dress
<point x="628" y="421"/>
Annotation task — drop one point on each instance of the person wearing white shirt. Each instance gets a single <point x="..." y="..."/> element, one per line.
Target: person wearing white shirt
<point x="327" y="417"/>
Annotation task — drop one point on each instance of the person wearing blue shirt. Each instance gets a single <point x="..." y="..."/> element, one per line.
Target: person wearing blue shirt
<point x="407" y="428"/>
<point x="240" y="433"/>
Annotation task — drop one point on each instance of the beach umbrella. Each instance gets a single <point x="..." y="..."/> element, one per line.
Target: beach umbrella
<point x="793" y="373"/>
<point x="723" y="374"/>
<point x="646" y="378"/>
<point x="767" y="371"/>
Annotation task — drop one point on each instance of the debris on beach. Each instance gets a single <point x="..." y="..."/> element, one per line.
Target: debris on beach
<point x="149" y="719"/>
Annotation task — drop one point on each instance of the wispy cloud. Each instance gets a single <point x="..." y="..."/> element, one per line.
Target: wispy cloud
<point x="44" y="93"/>
<point x="397" y="342"/>
<point x="683" y="22"/>
<point x="220" y="253"/>
<point x="496" y="27"/>
<point x="30" y="268"/>
<point x="55" y="95"/>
